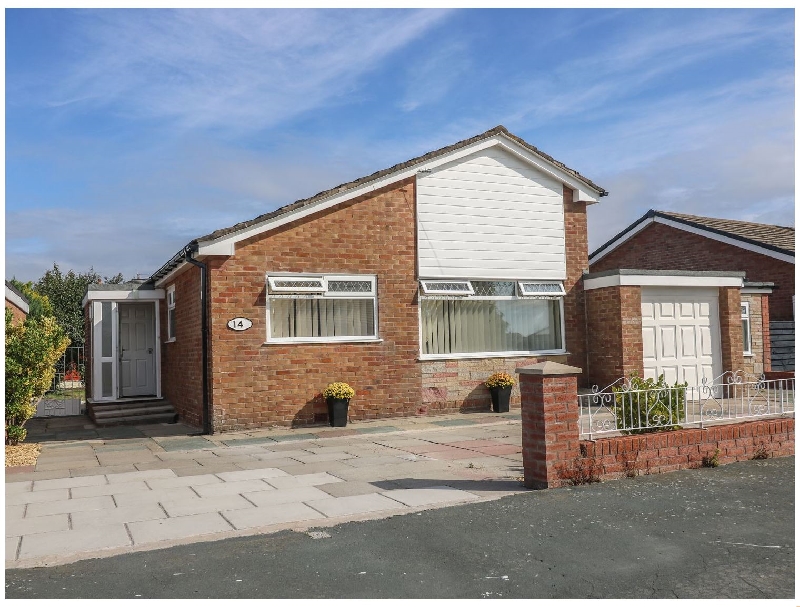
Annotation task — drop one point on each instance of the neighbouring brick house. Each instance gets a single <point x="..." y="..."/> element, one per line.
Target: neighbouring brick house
<point x="661" y="241"/>
<point x="17" y="303"/>
<point x="412" y="284"/>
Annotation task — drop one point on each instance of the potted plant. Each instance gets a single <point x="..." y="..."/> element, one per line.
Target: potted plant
<point x="338" y="395"/>
<point x="500" y="385"/>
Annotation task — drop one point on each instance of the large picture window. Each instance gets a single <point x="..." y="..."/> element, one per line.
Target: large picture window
<point x="313" y="308"/>
<point x="498" y="318"/>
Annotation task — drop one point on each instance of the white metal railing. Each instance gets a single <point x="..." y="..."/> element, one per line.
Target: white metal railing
<point x="623" y="407"/>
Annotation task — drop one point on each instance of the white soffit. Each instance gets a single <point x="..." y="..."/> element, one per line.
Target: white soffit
<point x="662" y="280"/>
<point x="138" y="295"/>
<point x="226" y="244"/>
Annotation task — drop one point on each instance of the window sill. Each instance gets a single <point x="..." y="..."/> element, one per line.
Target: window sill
<point x="169" y="341"/>
<point x="749" y="355"/>
<point x="368" y="340"/>
<point x="471" y="355"/>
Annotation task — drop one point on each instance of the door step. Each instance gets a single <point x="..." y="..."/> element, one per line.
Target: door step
<point x="138" y="412"/>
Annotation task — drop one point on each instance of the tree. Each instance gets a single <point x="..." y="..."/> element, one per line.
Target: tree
<point x="32" y="349"/>
<point x="65" y="293"/>
<point x="38" y="305"/>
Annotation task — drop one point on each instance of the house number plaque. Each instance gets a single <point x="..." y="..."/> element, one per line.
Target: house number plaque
<point x="240" y="324"/>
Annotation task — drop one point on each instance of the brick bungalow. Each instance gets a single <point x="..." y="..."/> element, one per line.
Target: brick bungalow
<point x="412" y="284"/>
<point x="17" y="303"/>
<point x="678" y="243"/>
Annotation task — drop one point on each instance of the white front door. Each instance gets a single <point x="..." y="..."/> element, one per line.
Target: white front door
<point x="680" y="334"/>
<point x="137" y="349"/>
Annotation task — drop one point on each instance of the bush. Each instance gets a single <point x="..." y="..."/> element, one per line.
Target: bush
<point x="338" y="390"/>
<point x="15" y="435"/>
<point x="499" y="380"/>
<point x="32" y="350"/>
<point x="650" y="403"/>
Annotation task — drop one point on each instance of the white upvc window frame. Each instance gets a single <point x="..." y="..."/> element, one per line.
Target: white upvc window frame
<point x="428" y="287"/>
<point x="507" y="354"/>
<point x="171" y="309"/>
<point x="547" y="294"/>
<point x="273" y="279"/>
<point x="747" y="345"/>
<point x="282" y="293"/>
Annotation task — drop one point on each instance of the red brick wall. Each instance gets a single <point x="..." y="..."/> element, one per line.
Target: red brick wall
<point x="577" y="254"/>
<point x="182" y="359"/>
<point x="615" y="334"/>
<point x="679" y="449"/>
<point x="17" y="314"/>
<point x="730" y="328"/>
<point x="255" y="384"/>
<point x="661" y="247"/>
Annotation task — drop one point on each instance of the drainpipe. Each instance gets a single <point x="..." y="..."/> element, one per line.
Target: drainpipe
<point x="208" y="427"/>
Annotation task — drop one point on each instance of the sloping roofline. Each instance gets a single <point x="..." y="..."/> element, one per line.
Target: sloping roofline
<point x="682" y="223"/>
<point x="16" y="297"/>
<point x="354" y="188"/>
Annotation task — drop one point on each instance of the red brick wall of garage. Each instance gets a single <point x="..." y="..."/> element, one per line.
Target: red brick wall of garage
<point x="577" y="258"/>
<point x="661" y="247"/>
<point x="256" y="384"/>
<point x="182" y="359"/>
<point x="615" y="334"/>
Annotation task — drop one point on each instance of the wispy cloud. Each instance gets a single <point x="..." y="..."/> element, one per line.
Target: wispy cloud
<point x="233" y="69"/>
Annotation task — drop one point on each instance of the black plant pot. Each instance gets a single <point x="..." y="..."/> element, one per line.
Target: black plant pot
<point x="337" y="411"/>
<point x="500" y="399"/>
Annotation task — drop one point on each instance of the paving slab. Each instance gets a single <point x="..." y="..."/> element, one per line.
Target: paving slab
<point x="15" y="511"/>
<point x="375" y="460"/>
<point x="76" y="472"/>
<point x="293" y="437"/>
<point x="66" y="464"/>
<point x="241" y="442"/>
<point x="140" y="475"/>
<point x="12" y="545"/>
<point x="69" y="482"/>
<point x="18" y="487"/>
<point x="75" y="541"/>
<point x="312" y="458"/>
<point x="112" y="489"/>
<point x="154" y="496"/>
<point x="26" y="473"/>
<point x="271" y="515"/>
<point x="233" y="488"/>
<point x="185" y="444"/>
<point x="183" y="481"/>
<point x="354" y="504"/>
<point x="206" y="469"/>
<point x="37" y="524"/>
<point x="144" y="532"/>
<point x="279" y="462"/>
<point x="302" y="480"/>
<point x="216" y="503"/>
<point x="292" y="496"/>
<point x="33" y="497"/>
<point x="316" y="467"/>
<point x="346" y="489"/>
<point x="377" y="430"/>
<point x="124" y="514"/>
<point x="429" y="496"/>
<point x="244" y="475"/>
<point x="99" y="502"/>
<point x="133" y="456"/>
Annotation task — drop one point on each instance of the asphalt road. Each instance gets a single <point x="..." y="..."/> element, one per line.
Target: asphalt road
<point x="726" y="532"/>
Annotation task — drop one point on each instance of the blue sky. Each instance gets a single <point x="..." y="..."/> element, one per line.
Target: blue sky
<point x="131" y="132"/>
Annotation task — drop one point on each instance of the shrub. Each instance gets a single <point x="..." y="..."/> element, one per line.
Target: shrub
<point x="652" y="404"/>
<point x="711" y="461"/>
<point x="15" y="435"/>
<point x="339" y="390"/>
<point x="499" y="380"/>
<point x="32" y="350"/>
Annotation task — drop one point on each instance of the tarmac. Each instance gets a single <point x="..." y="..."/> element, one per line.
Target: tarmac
<point x="98" y="492"/>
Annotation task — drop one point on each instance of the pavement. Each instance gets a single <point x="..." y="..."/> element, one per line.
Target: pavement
<point x="709" y="533"/>
<point x="106" y="491"/>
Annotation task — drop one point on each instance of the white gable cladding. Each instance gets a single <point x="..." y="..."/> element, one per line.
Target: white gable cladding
<point x="490" y="215"/>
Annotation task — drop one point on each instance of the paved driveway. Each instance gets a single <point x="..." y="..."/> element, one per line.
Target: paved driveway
<point x="149" y="487"/>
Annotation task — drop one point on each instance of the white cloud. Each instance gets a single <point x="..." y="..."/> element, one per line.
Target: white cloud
<point x="234" y="69"/>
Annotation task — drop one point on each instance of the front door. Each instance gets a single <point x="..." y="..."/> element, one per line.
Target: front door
<point x="137" y="349"/>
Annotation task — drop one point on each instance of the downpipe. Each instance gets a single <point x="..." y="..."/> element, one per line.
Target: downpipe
<point x="208" y="426"/>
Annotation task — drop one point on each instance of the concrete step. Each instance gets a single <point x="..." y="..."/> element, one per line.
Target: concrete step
<point x="132" y="412"/>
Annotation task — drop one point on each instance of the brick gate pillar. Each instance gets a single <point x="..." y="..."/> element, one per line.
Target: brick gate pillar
<point x="550" y="414"/>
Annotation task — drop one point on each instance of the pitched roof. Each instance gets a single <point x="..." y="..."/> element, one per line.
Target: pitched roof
<point x="767" y="237"/>
<point x="16" y="296"/>
<point x="361" y="181"/>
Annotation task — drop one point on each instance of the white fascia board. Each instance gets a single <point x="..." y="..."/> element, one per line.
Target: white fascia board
<point x="225" y="245"/>
<point x="756" y="290"/>
<point x="141" y="295"/>
<point x="17" y="300"/>
<point x="650" y="280"/>
<point x="179" y="269"/>
<point x="623" y="238"/>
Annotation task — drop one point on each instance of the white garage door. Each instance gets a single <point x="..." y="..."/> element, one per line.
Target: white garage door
<point x="680" y="334"/>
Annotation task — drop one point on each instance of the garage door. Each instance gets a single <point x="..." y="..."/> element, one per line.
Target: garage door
<point x="680" y="334"/>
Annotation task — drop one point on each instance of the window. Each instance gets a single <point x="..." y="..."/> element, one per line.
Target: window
<point x="305" y="308"/>
<point x="498" y="317"/>
<point x="171" y="313"/>
<point x="746" y="339"/>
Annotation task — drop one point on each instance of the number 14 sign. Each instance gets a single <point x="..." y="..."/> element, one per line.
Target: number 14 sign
<point x="240" y="324"/>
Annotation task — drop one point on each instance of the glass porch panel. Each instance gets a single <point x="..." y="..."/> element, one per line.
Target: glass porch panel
<point x="106" y="330"/>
